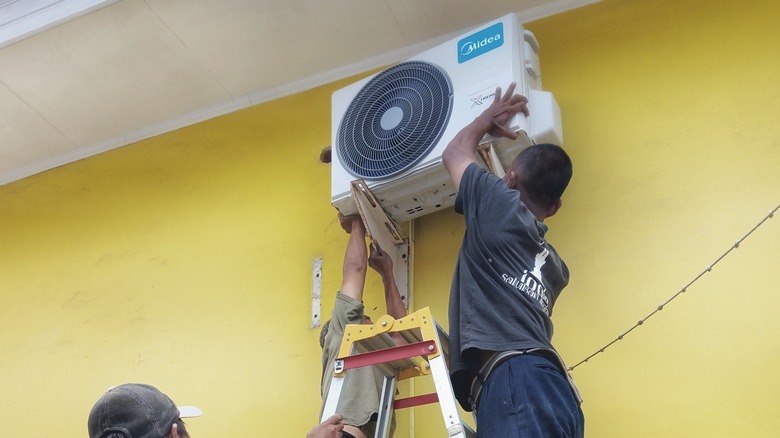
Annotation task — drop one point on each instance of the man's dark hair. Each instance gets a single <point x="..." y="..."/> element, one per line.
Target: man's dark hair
<point x="181" y="428"/>
<point x="543" y="171"/>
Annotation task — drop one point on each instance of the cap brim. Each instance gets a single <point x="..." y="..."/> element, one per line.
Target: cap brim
<point x="189" y="412"/>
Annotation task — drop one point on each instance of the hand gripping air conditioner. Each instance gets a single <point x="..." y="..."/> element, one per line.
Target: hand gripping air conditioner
<point x="391" y="128"/>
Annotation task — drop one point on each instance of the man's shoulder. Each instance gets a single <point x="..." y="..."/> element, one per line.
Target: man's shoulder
<point x="474" y="170"/>
<point x="346" y="300"/>
<point x="346" y="310"/>
<point x="475" y="184"/>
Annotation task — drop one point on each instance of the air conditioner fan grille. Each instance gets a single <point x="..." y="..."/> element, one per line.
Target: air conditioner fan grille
<point x="395" y="120"/>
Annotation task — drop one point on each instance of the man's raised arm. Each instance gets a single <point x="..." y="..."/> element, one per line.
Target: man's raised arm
<point x="354" y="268"/>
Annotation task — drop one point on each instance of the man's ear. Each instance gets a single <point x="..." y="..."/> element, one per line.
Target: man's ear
<point x="175" y="431"/>
<point x="510" y="178"/>
<point x="554" y="209"/>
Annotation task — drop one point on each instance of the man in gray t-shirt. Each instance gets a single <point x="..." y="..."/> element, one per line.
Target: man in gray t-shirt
<point x="507" y="279"/>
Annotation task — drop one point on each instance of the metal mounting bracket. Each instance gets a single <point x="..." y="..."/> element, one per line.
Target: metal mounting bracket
<point x="383" y="231"/>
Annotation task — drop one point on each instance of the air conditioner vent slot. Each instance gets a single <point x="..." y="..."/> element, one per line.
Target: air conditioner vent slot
<point x="395" y="120"/>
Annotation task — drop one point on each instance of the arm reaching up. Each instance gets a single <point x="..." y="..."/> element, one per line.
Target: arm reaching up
<point x="381" y="262"/>
<point x="354" y="269"/>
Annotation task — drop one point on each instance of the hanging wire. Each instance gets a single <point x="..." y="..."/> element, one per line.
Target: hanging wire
<point x="680" y="292"/>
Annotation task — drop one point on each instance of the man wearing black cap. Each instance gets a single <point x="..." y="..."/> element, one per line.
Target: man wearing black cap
<point x="136" y="410"/>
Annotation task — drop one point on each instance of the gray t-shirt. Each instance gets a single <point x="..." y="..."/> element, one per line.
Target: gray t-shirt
<point x="506" y="280"/>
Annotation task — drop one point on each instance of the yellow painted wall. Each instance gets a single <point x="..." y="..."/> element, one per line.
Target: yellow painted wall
<point x="185" y="260"/>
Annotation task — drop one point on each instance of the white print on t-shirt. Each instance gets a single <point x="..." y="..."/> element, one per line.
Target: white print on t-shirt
<point x="531" y="282"/>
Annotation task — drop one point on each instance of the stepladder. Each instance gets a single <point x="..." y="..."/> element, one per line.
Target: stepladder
<point x="422" y="353"/>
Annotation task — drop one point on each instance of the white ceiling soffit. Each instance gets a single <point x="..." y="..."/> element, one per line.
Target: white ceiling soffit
<point x="127" y="70"/>
<point x="20" y="19"/>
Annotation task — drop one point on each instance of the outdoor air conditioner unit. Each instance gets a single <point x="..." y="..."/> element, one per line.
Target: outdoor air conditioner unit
<point x="391" y="128"/>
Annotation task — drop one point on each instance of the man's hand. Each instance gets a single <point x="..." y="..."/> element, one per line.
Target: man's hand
<point x="330" y="428"/>
<point x="347" y="222"/>
<point x="459" y="153"/>
<point x="380" y="261"/>
<point x="501" y="111"/>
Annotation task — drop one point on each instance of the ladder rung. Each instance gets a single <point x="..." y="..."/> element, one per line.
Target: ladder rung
<point x="378" y="342"/>
<point x="400" y="357"/>
<point x="384" y="340"/>
<point x="392" y="367"/>
<point x="411" y="336"/>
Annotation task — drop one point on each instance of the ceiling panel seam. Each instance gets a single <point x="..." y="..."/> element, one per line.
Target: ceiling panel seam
<point x="194" y="54"/>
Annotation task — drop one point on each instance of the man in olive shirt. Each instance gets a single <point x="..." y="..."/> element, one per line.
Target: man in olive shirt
<point x="360" y="396"/>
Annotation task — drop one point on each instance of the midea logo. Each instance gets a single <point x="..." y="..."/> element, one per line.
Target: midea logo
<point x="469" y="47"/>
<point x="478" y="43"/>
